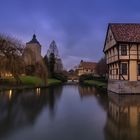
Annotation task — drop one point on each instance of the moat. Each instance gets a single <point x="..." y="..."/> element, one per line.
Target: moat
<point x="69" y="112"/>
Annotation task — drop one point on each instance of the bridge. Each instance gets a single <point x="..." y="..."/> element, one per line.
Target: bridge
<point x="73" y="80"/>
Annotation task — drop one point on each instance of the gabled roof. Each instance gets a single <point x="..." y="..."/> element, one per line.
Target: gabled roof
<point x="88" y="65"/>
<point x="34" y="40"/>
<point x="126" y="32"/>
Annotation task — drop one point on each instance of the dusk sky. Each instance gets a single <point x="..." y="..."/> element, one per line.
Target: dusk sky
<point x="77" y="26"/>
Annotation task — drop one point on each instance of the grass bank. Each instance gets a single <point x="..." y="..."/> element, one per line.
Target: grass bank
<point x="36" y="81"/>
<point x="53" y="82"/>
<point x="27" y="82"/>
<point x="98" y="84"/>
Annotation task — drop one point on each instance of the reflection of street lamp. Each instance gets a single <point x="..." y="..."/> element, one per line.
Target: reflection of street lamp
<point x="10" y="94"/>
<point x="38" y="91"/>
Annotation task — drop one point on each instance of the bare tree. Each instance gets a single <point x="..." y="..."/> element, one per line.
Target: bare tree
<point x="11" y="51"/>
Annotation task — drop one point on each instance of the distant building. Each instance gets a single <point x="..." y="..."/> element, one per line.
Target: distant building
<point x="86" y="68"/>
<point x="122" y="50"/>
<point x="34" y="64"/>
<point x="32" y="52"/>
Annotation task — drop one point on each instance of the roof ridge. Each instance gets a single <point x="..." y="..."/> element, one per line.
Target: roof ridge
<point x="119" y="23"/>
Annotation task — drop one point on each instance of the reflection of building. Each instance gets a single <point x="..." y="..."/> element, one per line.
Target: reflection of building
<point x="86" y="68"/>
<point x="123" y="118"/>
<point x="122" y="50"/>
<point x="87" y="91"/>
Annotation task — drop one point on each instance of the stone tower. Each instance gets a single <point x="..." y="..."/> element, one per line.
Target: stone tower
<point x="32" y="52"/>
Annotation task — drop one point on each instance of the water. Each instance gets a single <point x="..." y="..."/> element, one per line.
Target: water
<point x="68" y="112"/>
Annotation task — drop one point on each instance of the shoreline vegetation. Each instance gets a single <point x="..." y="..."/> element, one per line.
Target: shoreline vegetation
<point x="27" y="82"/>
<point x="91" y="80"/>
<point x="98" y="84"/>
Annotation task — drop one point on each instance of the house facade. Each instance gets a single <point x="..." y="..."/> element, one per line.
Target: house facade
<point x="122" y="51"/>
<point x="86" y="68"/>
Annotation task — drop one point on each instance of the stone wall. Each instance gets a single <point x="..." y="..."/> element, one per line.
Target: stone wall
<point x="124" y="87"/>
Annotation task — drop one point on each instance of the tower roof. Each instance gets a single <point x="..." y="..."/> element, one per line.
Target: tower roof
<point x="34" y="40"/>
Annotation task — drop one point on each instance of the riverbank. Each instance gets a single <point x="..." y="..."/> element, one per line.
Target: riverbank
<point x="95" y="83"/>
<point x="28" y="82"/>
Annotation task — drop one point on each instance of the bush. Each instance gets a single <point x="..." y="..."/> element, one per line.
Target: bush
<point x="60" y="76"/>
<point x="54" y="82"/>
<point x="84" y="77"/>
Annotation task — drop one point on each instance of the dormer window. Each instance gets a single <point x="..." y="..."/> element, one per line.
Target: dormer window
<point x="123" y="49"/>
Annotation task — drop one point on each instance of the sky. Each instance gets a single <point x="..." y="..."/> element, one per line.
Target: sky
<point x="78" y="26"/>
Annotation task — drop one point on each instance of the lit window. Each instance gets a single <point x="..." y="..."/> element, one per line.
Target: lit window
<point x="123" y="49"/>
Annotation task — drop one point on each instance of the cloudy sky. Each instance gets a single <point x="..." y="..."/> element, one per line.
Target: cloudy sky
<point x="77" y="26"/>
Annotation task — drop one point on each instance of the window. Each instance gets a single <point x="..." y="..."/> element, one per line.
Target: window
<point x="110" y="72"/>
<point x="124" y="68"/>
<point x="116" y="71"/>
<point x="138" y="69"/>
<point x="123" y="49"/>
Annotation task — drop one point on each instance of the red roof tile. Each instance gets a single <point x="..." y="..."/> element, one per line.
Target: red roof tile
<point x="126" y="32"/>
<point x="88" y="65"/>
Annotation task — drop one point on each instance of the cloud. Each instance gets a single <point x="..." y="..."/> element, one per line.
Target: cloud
<point x="77" y="26"/>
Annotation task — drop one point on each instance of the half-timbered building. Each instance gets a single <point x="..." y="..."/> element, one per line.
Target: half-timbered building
<point x="122" y="51"/>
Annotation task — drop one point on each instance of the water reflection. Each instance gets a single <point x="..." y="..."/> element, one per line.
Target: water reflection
<point x="86" y="91"/>
<point x="100" y="95"/>
<point x="21" y="108"/>
<point x="123" y="122"/>
<point x="69" y="112"/>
